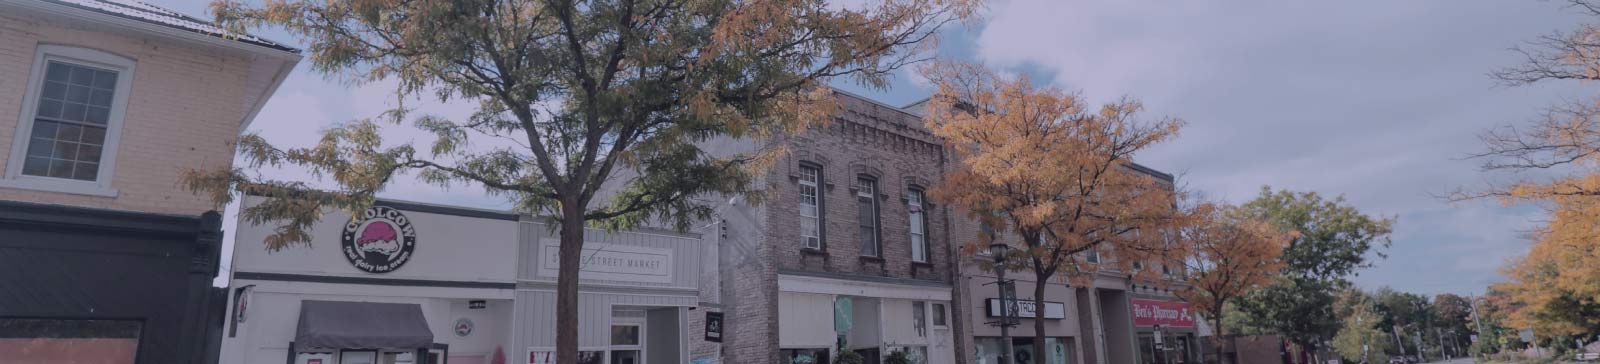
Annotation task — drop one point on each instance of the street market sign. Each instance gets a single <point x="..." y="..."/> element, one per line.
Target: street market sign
<point x="611" y="262"/>
<point x="1149" y="313"/>
<point x="1027" y="308"/>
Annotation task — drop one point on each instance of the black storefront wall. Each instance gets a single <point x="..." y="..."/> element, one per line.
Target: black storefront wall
<point x="67" y="264"/>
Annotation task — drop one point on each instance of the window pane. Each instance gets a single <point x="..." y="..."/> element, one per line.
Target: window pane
<point x="68" y="341"/>
<point x="69" y="132"/>
<point x="86" y="171"/>
<point x="96" y="136"/>
<point x="68" y="151"/>
<point x="60" y="168"/>
<point x="58" y="72"/>
<point x="40" y="147"/>
<point x="938" y="314"/>
<point x="810" y="220"/>
<point x="49" y="108"/>
<point x="105" y="79"/>
<point x="79" y="94"/>
<point x="100" y="98"/>
<point x="919" y="248"/>
<point x="97" y="115"/>
<point x="624" y="335"/>
<point x="89" y="153"/>
<point x="36" y="166"/>
<point x="74" y="111"/>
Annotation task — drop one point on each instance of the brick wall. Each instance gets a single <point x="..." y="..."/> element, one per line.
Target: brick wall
<point x="865" y="139"/>
<point x="183" y="110"/>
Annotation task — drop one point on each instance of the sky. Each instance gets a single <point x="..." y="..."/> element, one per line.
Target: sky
<point x="1376" y="101"/>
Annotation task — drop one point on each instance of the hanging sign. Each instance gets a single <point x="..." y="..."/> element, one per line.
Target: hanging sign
<point x="1149" y="313"/>
<point x="714" y="327"/>
<point x="1026" y="309"/>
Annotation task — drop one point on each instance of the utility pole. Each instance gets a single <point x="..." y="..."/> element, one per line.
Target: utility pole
<point x="1397" y="342"/>
<point x="1008" y="300"/>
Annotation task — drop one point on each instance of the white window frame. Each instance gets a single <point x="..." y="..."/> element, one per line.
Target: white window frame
<point x="811" y="242"/>
<point x="916" y="201"/>
<point x="877" y="213"/>
<point x="124" y="67"/>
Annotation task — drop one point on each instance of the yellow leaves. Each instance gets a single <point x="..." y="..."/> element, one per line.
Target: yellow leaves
<point x="1036" y="160"/>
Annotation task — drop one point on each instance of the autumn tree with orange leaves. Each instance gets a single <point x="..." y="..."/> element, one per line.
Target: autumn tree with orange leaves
<point x="1229" y="255"/>
<point x="570" y="96"/>
<point x="1554" y="286"/>
<point x="1059" y="173"/>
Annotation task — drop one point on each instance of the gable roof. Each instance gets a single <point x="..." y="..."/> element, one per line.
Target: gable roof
<point x="145" y="12"/>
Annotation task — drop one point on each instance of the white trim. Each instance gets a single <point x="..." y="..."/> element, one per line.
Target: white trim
<point x="125" y="68"/>
<point x="819" y="285"/>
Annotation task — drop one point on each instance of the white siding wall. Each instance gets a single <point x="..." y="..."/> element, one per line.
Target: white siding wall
<point x="805" y="320"/>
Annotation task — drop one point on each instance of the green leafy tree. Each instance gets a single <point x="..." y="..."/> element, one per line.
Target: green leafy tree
<point x="1333" y="240"/>
<point x="1360" y="338"/>
<point x="1453" y="316"/>
<point x="571" y="96"/>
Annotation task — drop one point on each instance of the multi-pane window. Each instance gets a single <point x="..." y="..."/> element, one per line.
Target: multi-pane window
<point x="919" y="227"/>
<point x="1092" y="255"/>
<point x="70" y="122"/>
<point x="810" y="219"/>
<point x="867" y="216"/>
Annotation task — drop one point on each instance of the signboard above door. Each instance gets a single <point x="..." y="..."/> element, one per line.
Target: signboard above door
<point x="611" y="262"/>
<point x="1026" y="308"/>
<point x="1149" y="313"/>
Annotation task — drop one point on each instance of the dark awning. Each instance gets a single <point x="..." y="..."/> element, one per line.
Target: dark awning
<point x="361" y="325"/>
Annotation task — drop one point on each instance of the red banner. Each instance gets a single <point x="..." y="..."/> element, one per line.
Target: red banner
<point x="1148" y="313"/>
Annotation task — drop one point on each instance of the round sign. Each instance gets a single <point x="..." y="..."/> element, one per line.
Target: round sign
<point x="463" y="327"/>
<point x="380" y="241"/>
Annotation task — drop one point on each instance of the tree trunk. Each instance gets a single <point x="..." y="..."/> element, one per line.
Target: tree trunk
<point x="567" y="283"/>
<point x="1039" y="284"/>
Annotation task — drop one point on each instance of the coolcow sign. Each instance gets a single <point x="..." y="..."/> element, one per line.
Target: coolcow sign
<point x="1149" y="313"/>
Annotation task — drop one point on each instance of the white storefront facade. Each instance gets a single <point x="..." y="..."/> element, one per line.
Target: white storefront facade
<point x="817" y="313"/>
<point x="409" y="283"/>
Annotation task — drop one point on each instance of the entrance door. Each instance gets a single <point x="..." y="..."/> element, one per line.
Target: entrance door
<point x="627" y="344"/>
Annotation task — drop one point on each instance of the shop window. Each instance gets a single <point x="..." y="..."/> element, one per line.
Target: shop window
<point x="803" y="356"/>
<point x="919" y="226"/>
<point x="625" y="357"/>
<point x="358" y="357"/>
<point x="588" y="357"/>
<point x="919" y="318"/>
<point x="916" y="354"/>
<point x="624" y="335"/>
<point x="397" y="357"/>
<point x="989" y="349"/>
<point x="867" y="216"/>
<point x="938" y="315"/>
<point x="68" y="341"/>
<point x="810" y="206"/>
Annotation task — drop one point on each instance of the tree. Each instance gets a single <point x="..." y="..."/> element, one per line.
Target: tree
<point x="1360" y="337"/>
<point x="1553" y="283"/>
<point x="1229" y="255"/>
<point x="1453" y="315"/>
<point x="1036" y="161"/>
<point x="571" y="96"/>
<point x="1403" y="313"/>
<point x="1333" y="240"/>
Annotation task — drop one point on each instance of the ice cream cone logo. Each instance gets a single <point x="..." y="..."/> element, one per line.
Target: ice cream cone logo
<point x="380" y="240"/>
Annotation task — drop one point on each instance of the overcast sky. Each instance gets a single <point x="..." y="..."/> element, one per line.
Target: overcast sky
<point x="1377" y="101"/>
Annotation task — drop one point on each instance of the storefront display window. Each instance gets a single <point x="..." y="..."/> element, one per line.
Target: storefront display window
<point x="803" y="356"/>
<point x="989" y="349"/>
<point x="68" y="341"/>
<point x="588" y="357"/>
<point x="1174" y="349"/>
<point x="397" y="357"/>
<point x="358" y="357"/>
<point x="624" y="357"/>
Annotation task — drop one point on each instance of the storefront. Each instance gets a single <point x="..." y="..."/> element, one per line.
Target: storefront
<point x="1061" y="324"/>
<point x="639" y="298"/>
<point x="818" y="313"/>
<point x="1166" y="331"/>
<point x="404" y="283"/>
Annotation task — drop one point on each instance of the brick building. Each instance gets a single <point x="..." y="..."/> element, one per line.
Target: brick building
<point x="848" y="248"/>
<point x="103" y="105"/>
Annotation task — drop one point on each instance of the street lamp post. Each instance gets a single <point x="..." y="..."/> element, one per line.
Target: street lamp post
<point x="1007" y="300"/>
